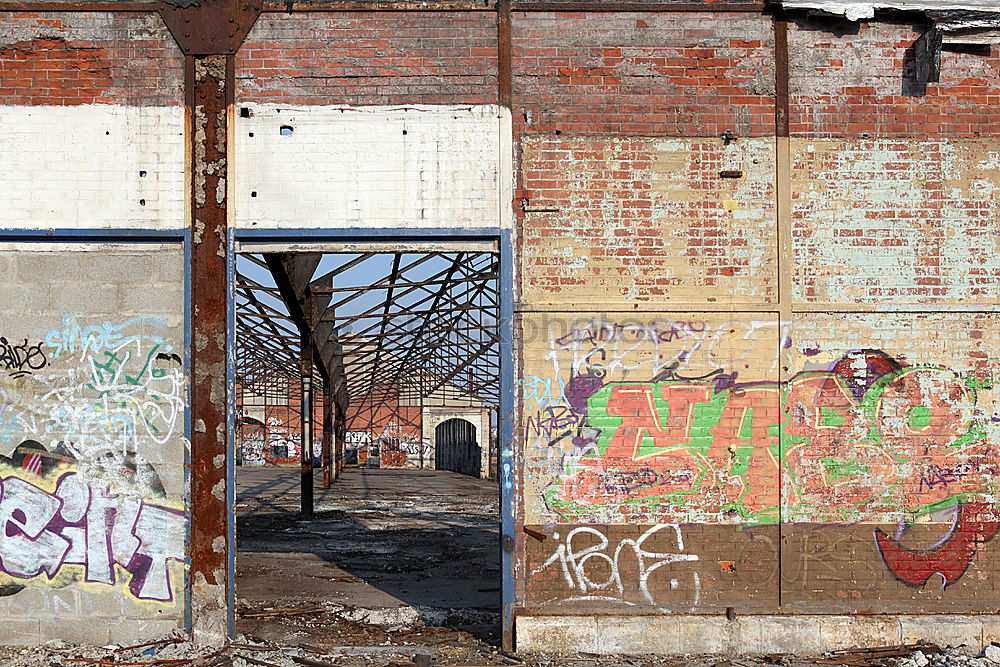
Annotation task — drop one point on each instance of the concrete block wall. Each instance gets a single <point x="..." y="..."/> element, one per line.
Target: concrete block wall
<point x="92" y="449"/>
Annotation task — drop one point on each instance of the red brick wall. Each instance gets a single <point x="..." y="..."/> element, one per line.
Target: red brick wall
<point x="645" y="220"/>
<point x="370" y="59"/>
<point x="850" y="84"/>
<point x="674" y="74"/>
<point x="84" y="58"/>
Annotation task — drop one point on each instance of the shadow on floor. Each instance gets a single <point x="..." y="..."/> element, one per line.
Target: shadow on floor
<point x="379" y="540"/>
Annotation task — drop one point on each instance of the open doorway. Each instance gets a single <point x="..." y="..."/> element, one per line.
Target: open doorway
<point x="367" y="501"/>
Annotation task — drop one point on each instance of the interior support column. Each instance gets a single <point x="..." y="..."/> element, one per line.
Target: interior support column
<point x="328" y="471"/>
<point x="208" y="80"/>
<point x="306" y="500"/>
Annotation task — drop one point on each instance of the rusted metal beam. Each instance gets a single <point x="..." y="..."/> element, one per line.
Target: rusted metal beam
<point x="279" y="6"/>
<point x="305" y="450"/>
<point x="662" y="7"/>
<point x="340" y="439"/>
<point x="328" y="471"/>
<point x="210" y="27"/>
<point x="208" y="82"/>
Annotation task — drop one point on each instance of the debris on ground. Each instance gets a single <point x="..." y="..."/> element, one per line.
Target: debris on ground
<point x="454" y="650"/>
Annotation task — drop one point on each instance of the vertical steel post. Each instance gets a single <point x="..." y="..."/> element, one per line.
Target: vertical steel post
<point x="306" y="500"/>
<point x="328" y="471"/>
<point x="209" y="90"/>
<point x="340" y="435"/>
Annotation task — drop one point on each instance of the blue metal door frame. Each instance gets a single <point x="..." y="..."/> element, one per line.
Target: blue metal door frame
<point x="505" y="464"/>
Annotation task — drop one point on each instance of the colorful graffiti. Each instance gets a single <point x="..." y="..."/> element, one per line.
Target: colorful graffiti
<point x="253" y="450"/>
<point x="884" y="444"/>
<point x="399" y="447"/>
<point x="663" y="424"/>
<point x="61" y="527"/>
<point x="88" y="507"/>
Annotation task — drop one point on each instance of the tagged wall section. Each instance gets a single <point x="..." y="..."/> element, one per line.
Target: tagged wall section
<point x="667" y="469"/>
<point x="92" y="442"/>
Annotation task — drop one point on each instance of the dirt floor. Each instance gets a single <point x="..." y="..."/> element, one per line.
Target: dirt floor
<point x="390" y="557"/>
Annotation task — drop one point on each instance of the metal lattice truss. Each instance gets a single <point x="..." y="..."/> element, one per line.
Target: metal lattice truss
<point x="416" y="328"/>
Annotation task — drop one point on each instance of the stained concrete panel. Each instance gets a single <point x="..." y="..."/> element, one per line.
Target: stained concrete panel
<point x="94" y="400"/>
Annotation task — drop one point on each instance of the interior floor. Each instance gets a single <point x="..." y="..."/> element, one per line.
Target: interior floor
<point x="387" y="548"/>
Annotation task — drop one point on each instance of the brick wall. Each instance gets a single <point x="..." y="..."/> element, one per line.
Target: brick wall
<point x="856" y="243"/>
<point x="88" y="58"/>
<point x="376" y="58"/>
<point x="856" y="79"/>
<point x="646" y="429"/>
<point x="688" y="75"/>
<point x="641" y="220"/>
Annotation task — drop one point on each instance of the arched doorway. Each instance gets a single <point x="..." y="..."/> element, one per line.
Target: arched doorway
<point x="456" y="448"/>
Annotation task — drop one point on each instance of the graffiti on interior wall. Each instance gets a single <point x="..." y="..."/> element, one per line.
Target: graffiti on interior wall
<point x="643" y="424"/>
<point x="282" y="446"/>
<point x="399" y="448"/>
<point x="253" y="450"/>
<point x="355" y="439"/>
<point x="86" y="506"/>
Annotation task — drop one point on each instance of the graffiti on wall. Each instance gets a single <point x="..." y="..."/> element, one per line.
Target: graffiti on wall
<point x="666" y="424"/>
<point x="84" y="412"/>
<point x="253" y="449"/>
<point x="595" y="568"/>
<point x="399" y="447"/>
<point x="62" y="527"/>
<point x="282" y="446"/>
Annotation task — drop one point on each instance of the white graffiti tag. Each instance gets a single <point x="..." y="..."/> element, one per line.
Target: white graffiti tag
<point x="86" y="524"/>
<point x="574" y="562"/>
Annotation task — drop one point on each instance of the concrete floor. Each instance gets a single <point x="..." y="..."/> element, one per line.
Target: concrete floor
<point x="384" y="547"/>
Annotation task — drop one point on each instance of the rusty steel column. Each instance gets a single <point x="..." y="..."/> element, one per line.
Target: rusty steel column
<point x="306" y="363"/>
<point x="209" y="89"/>
<point x="208" y="34"/>
<point x="328" y="472"/>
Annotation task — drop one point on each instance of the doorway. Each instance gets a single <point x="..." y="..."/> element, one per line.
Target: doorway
<point x="368" y="469"/>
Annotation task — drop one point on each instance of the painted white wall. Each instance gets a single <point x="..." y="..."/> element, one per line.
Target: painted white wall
<point x="79" y="167"/>
<point x="354" y="167"/>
